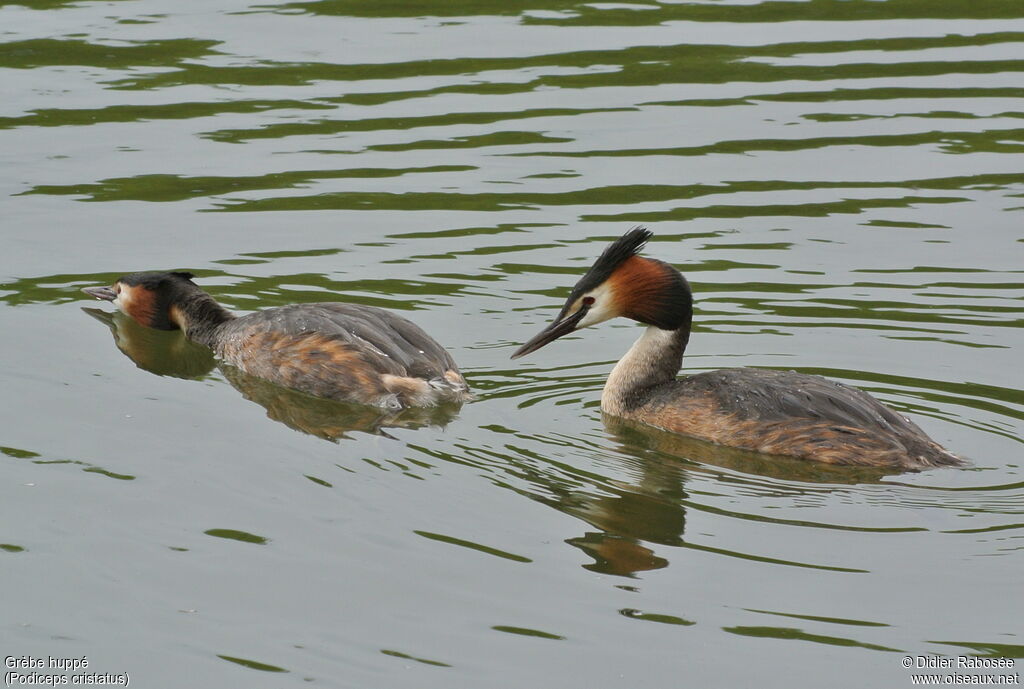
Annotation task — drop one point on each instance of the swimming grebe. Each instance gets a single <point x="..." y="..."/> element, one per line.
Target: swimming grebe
<point x="338" y="351"/>
<point x="772" y="412"/>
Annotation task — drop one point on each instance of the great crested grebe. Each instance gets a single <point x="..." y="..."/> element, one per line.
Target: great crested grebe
<point x="772" y="412"/>
<point x="338" y="351"/>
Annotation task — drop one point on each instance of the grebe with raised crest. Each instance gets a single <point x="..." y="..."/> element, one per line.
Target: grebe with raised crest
<point x="767" y="411"/>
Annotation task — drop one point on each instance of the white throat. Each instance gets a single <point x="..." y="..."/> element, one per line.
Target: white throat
<point x="654" y="358"/>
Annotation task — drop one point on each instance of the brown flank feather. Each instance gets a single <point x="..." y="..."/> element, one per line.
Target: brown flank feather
<point x="308" y="362"/>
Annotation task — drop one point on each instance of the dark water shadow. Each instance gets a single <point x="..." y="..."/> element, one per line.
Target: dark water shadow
<point x="171" y="354"/>
<point x="154" y="350"/>
<point x="624" y="518"/>
<point x="631" y="518"/>
<point x="649" y="512"/>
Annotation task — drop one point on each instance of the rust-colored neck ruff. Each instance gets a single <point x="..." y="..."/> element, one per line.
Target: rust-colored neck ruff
<point x="652" y="292"/>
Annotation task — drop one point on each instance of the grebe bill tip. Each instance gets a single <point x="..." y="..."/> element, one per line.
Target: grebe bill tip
<point x="105" y="293"/>
<point x="551" y="333"/>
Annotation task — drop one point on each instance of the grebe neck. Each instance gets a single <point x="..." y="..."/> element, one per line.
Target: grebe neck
<point x="653" y="359"/>
<point x="200" y="316"/>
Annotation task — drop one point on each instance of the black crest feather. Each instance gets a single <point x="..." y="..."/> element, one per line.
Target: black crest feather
<point x="611" y="258"/>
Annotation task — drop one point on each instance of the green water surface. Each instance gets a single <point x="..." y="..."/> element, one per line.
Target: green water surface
<point x="842" y="181"/>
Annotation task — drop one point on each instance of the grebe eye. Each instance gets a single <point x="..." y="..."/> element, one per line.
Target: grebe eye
<point x="588" y="301"/>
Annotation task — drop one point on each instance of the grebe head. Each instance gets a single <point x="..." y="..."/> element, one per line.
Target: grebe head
<point x="149" y="298"/>
<point x="621" y="283"/>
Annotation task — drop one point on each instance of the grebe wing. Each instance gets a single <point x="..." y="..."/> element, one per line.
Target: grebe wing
<point x="399" y="338"/>
<point x="386" y="341"/>
<point x="768" y="396"/>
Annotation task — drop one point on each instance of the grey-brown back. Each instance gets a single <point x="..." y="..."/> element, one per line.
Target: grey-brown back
<point x="343" y="351"/>
<point x="394" y="344"/>
<point x="796" y="414"/>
